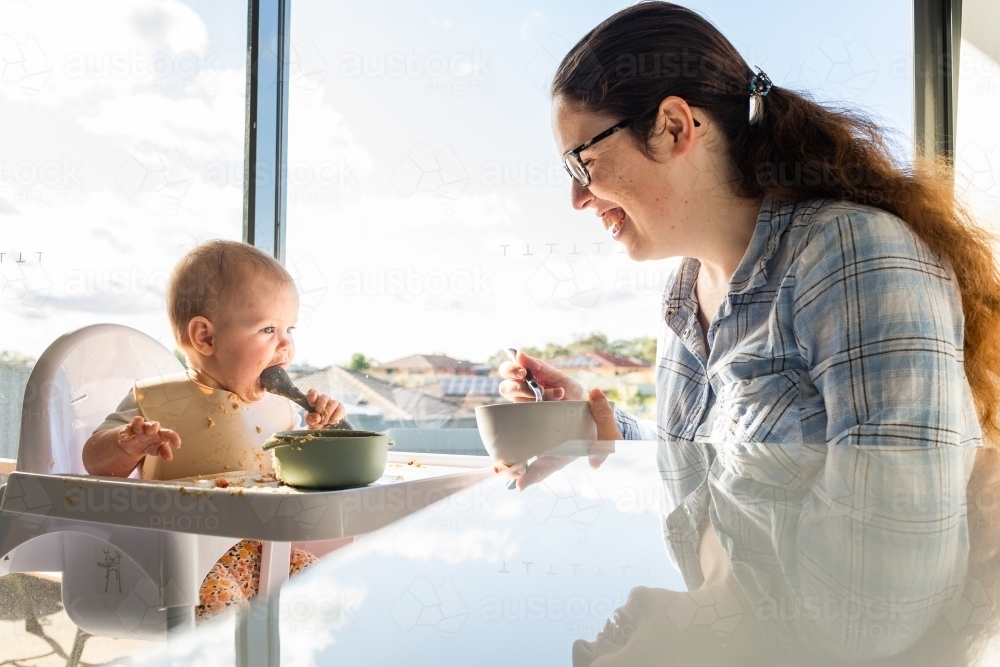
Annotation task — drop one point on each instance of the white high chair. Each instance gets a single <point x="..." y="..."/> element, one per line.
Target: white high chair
<point x="116" y="581"/>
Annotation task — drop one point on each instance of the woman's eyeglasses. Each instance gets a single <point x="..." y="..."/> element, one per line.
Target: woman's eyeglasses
<point x="574" y="164"/>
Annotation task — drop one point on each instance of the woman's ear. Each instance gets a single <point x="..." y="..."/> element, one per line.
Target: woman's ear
<point x="674" y="134"/>
<point x="201" y="333"/>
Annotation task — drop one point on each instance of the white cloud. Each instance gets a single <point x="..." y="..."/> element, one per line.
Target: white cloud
<point x="205" y="129"/>
<point x="534" y="18"/>
<point x="100" y="49"/>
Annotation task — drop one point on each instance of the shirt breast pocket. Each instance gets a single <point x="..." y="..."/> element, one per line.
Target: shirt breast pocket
<point x="758" y="429"/>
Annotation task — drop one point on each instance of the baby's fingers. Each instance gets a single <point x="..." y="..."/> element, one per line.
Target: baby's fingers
<point x="322" y="406"/>
<point x="311" y="397"/>
<point x="130" y="430"/>
<point x="339" y="413"/>
<point x="163" y="451"/>
<point x="170" y="437"/>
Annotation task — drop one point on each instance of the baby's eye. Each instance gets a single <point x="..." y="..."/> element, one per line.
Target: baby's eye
<point x="268" y="330"/>
<point x="291" y="329"/>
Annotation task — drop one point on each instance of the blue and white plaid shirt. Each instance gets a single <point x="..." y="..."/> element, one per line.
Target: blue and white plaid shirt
<point x="826" y="433"/>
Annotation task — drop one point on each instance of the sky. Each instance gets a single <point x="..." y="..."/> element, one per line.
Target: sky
<point x="428" y="210"/>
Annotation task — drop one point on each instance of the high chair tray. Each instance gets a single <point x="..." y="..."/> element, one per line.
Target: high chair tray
<point x="243" y="505"/>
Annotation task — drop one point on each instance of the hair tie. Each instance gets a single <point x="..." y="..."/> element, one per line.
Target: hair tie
<point x="759" y="87"/>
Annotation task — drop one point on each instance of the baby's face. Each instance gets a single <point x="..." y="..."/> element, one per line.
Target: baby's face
<point x="256" y="334"/>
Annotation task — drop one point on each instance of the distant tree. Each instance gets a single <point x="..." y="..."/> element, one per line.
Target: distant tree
<point x="643" y="349"/>
<point x="181" y="357"/>
<point x="497" y="358"/>
<point x="548" y="352"/>
<point x="594" y="342"/>
<point x="359" y="362"/>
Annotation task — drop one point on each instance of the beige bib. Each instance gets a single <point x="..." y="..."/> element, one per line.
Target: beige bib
<point x="219" y="431"/>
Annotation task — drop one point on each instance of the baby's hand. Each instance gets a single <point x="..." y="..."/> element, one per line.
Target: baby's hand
<point x="326" y="410"/>
<point x="143" y="438"/>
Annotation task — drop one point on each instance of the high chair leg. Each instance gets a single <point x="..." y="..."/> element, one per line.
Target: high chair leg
<point x="179" y="581"/>
<point x="274" y="562"/>
<point x="180" y="621"/>
<point x="257" y="641"/>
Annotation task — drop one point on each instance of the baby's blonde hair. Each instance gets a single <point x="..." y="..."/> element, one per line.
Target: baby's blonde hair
<point x="212" y="276"/>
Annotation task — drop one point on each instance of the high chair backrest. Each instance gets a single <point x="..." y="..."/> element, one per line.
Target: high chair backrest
<point x="75" y="384"/>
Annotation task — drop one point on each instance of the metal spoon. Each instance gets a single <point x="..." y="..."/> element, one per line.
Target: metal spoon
<point x="528" y="377"/>
<point x="275" y="380"/>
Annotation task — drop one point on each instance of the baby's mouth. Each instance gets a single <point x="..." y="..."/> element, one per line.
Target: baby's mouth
<point x="613" y="220"/>
<point x="254" y="392"/>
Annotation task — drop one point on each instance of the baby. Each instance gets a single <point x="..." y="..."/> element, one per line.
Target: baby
<point x="232" y="309"/>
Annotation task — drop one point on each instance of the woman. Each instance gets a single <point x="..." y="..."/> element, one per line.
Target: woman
<point x="828" y="296"/>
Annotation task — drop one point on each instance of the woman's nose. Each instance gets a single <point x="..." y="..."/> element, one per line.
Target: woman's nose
<point x="579" y="195"/>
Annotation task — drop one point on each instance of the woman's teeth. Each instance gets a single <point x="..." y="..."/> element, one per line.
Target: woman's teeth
<point x="613" y="220"/>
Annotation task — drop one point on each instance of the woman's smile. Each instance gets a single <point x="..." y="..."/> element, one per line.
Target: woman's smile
<point x="614" y="220"/>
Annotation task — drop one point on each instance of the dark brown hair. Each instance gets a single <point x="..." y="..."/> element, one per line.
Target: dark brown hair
<point x="210" y="277"/>
<point x="799" y="150"/>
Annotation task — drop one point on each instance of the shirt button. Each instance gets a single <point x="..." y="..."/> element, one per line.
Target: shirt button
<point x="671" y="312"/>
<point x="671" y="527"/>
<point x="687" y="332"/>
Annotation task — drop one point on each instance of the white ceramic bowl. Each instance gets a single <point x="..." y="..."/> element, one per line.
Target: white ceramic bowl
<point x="514" y="432"/>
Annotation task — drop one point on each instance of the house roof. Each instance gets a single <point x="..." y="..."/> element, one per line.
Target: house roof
<point x="595" y="360"/>
<point x="360" y="389"/>
<point x="425" y="363"/>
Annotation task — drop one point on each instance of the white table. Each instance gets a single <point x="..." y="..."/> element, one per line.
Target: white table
<point x="240" y="506"/>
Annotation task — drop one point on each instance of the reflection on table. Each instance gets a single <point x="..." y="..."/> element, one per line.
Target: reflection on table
<point x="870" y="556"/>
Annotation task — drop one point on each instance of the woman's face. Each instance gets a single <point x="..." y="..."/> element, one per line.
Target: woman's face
<point x="645" y="204"/>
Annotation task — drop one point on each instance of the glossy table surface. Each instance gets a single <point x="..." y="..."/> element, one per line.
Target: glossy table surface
<point x="490" y="576"/>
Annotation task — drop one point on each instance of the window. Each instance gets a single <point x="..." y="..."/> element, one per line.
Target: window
<point x="977" y="153"/>
<point x="122" y="147"/>
<point x="428" y="208"/>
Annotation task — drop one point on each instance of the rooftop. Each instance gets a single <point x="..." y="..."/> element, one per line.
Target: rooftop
<point x="427" y="363"/>
<point x="395" y="403"/>
<point x="596" y="360"/>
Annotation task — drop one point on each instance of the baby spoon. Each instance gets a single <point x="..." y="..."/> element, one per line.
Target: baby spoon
<point x="275" y="380"/>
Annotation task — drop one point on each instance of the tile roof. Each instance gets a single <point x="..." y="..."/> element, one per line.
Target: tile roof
<point x="398" y="403"/>
<point x="593" y="359"/>
<point x="429" y="363"/>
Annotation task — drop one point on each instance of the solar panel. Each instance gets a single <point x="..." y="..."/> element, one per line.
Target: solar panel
<point x="470" y="385"/>
<point x="576" y="361"/>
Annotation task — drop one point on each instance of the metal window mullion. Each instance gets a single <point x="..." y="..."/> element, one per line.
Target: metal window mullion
<point x="281" y="133"/>
<point x="266" y="134"/>
<point x="937" y="38"/>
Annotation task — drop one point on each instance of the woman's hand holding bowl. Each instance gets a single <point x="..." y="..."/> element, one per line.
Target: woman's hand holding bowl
<point x="556" y="386"/>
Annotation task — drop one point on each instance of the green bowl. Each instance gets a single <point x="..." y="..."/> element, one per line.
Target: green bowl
<point x="329" y="458"/>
